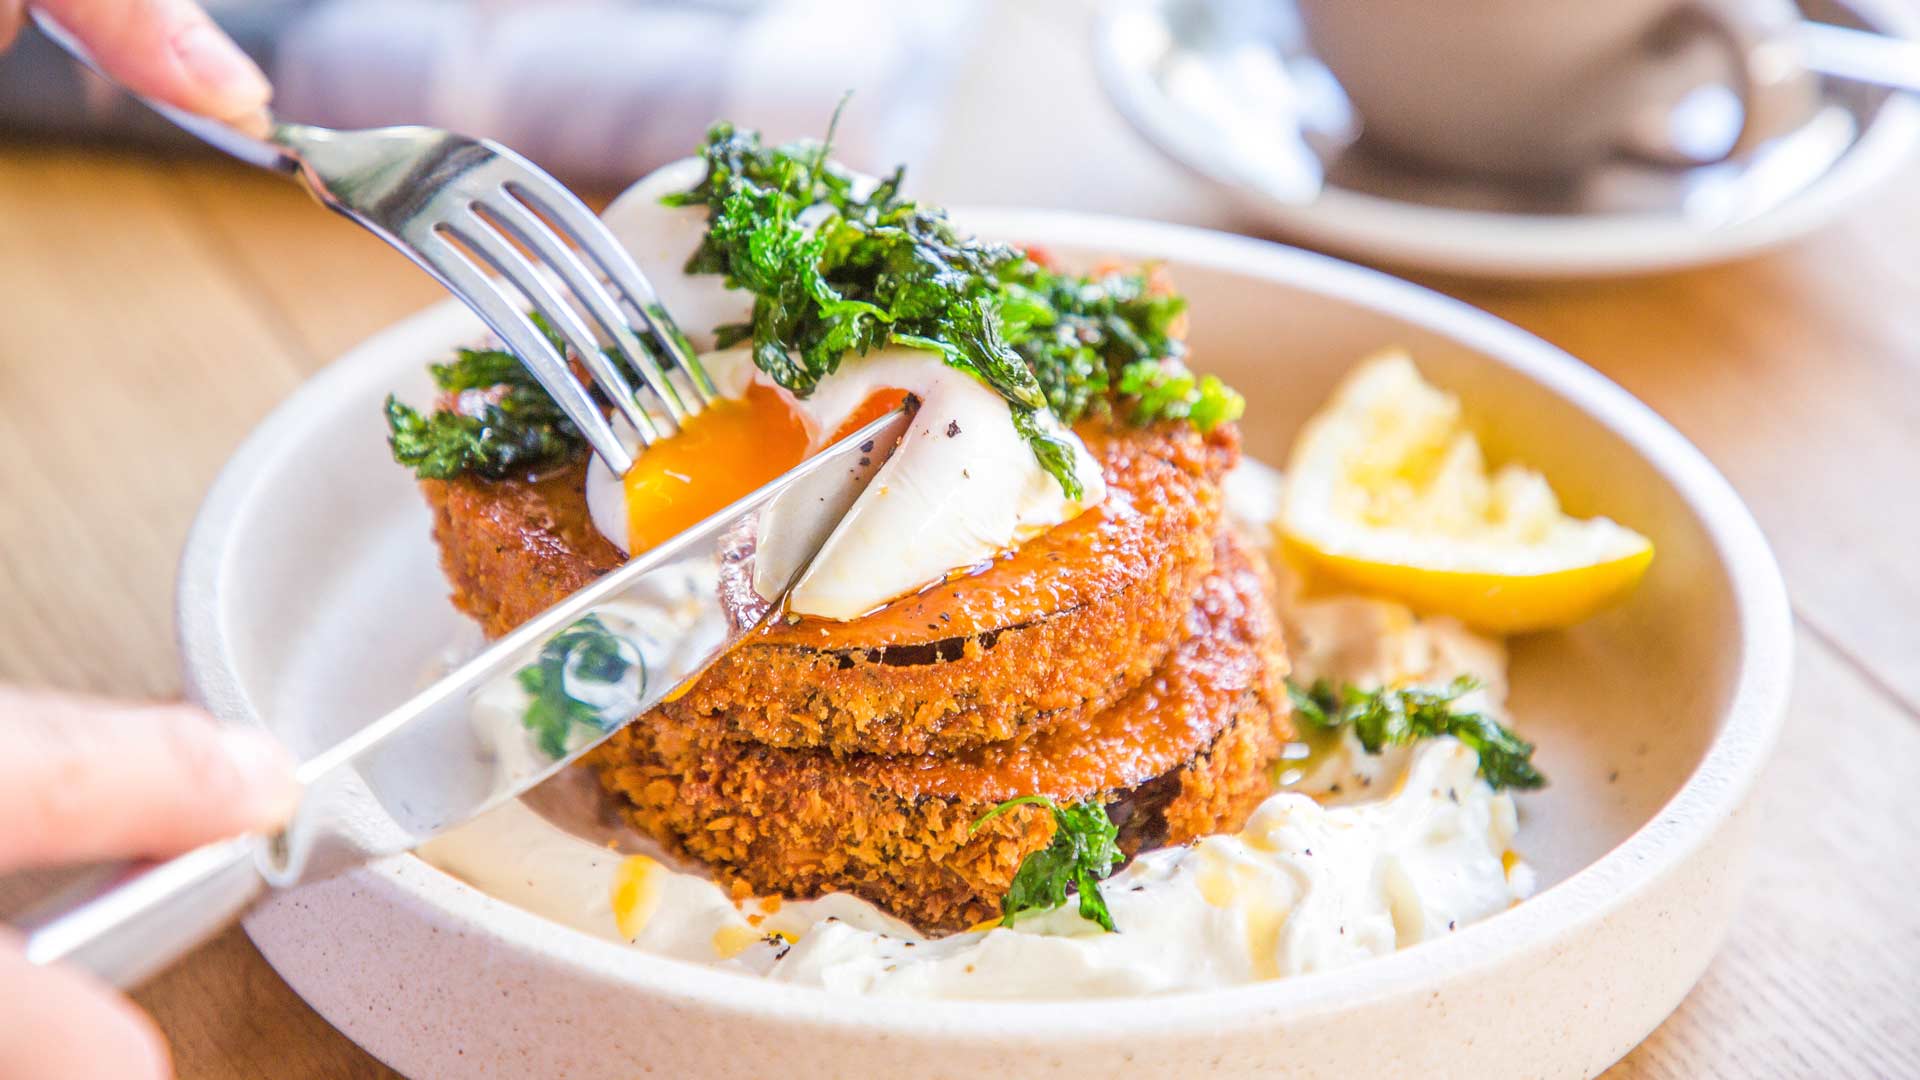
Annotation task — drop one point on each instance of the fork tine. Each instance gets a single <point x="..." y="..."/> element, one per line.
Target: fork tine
<point x="457" y="272"/>
<point x="517" y="221"/>
<point x="477" y="234"/>
<point x="572" y="218"/>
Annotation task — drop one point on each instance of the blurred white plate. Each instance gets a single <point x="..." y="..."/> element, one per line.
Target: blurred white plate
<point x="1261" y="152"/>
<point x="310" y="600"/>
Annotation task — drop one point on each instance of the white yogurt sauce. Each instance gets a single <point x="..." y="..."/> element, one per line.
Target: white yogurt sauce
<point x="1301" y="888"/>
<point x="1394" y="850"/>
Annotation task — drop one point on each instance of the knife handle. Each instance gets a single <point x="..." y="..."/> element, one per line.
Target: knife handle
<point x="130" y="920"/>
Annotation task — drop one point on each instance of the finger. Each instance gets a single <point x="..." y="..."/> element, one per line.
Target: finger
<point x="89" y="779"/>
<point x="167" y="49"/>
<point x="63" y="1022"/>
<point x="12" y="14"/>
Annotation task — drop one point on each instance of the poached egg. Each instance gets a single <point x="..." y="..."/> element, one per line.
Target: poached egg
<point x="962" y="486"/>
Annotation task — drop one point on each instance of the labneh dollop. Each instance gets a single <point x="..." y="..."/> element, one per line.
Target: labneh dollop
<point x="1302" y="888"/>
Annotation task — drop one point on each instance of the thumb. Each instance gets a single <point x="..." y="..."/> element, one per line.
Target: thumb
<point x="167" y="49"/>
<point x="88" y="779"/>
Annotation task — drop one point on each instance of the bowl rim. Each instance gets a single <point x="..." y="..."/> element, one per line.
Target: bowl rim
<point x="1713" y="792"/>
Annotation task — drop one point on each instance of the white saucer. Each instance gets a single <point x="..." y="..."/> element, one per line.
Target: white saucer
<point x="310" y="601"/>
<point x="1619" y="221"/>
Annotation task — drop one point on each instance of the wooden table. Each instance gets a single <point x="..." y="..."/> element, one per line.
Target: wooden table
<point x="156" y="310"/>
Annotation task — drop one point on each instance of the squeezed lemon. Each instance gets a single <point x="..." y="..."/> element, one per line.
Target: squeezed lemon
<point x="1388" y="492"/>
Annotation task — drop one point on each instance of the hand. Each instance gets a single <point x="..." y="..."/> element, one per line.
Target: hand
<point x="84" y="779"/>
<point x="165" y="49"/>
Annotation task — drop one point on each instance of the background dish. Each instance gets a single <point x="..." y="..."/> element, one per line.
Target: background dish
<point x="1638" y="843"/>
<point x="1622" y="220"/>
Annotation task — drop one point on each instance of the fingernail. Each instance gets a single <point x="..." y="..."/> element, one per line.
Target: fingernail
<point x="266" y="771"/>
<point x="221" y="69"/>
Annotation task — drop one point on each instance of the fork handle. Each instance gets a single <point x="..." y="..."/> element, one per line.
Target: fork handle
<point x="130" y="920"/>
<point x="255" y="147"/>
<point x="1861" y="55"/>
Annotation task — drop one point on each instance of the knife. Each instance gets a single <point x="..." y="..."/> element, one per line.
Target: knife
<point x="496" y="727"/>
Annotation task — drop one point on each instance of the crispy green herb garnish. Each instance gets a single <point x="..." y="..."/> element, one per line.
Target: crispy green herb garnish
<point x="586" y="652"/>
<point x="1391" y="717"/>
<point x="1084" y="850"/>
<point x="497" y="420"/>
<point x="835" y="272"/>
<point x="1164" y="391"/>
<point x="1104" y="346"/>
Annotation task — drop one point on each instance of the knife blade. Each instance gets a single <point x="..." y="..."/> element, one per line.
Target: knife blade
<point x="522" y="710"/>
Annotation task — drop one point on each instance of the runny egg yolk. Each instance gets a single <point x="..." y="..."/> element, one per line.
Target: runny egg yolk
<point x="721" y="455"/>
<point x="878" y="404"/>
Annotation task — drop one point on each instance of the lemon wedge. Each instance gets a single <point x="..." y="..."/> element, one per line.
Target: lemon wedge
<point x="1388" y="492"/>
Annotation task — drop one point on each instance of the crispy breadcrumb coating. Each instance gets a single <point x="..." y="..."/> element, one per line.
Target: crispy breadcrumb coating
<point x="1129" y="656"/>
<point x="1184" y="754"/>
<point x="1056" y="630"/>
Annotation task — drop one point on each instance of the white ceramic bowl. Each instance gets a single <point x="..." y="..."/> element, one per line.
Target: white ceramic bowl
<point x="310" y="601"/>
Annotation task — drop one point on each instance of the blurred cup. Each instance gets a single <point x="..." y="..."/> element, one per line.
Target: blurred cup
<point x="1533" y="87"/>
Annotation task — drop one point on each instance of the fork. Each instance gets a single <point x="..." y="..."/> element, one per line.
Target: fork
<point x="468" y="209"/>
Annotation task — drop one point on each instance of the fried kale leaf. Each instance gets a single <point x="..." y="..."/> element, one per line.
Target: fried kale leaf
<point x="1394" y="716"/>
<point x="835" y="270"/>
<point x="496" y="420"/>
<point x="1084" y="850"/>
